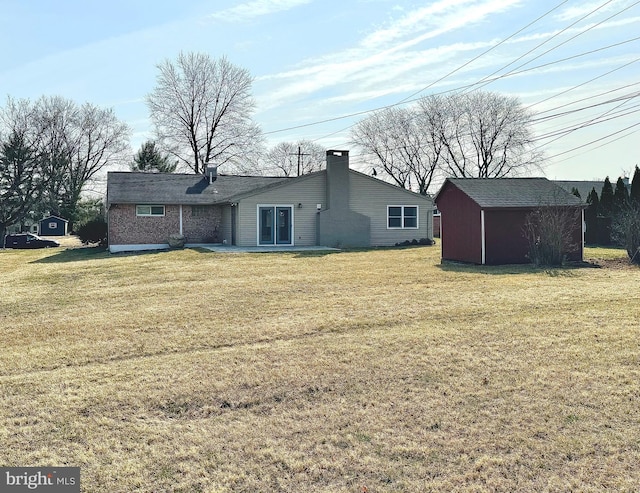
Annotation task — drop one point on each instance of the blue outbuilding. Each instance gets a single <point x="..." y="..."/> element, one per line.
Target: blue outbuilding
<point x="53" y="226"/>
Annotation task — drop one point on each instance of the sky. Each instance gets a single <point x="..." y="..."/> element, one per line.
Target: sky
<point x="320" y="66"/>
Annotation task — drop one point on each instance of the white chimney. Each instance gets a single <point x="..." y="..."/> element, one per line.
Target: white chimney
<point x="211" y="171"/>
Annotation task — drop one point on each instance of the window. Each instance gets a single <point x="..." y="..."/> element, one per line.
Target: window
<point x="199" y="210"/>
<point x="149" y="210"/>
<point x="402" y="217"/>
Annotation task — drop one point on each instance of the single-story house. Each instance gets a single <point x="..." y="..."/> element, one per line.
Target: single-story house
<point x="27" y="226"/>
<point x="584" y="187"/>
<point x="482" y="220"/>
<point x="335" y="207"/>
<point x="53" y="226"/>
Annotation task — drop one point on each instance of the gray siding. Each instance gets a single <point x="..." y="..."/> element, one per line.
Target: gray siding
<point x="225" y="225"/>
<point x="307" y="192"/>
<point x="369" y="196"/>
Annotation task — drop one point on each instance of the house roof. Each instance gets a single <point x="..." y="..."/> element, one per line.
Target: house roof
<point x="491" y="193"/>
<point x="188" y="189"/>
<point x="583" y="187"/>
<point x="125" y="187"/>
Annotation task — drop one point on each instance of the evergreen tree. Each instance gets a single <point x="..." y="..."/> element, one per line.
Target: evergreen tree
<point x="591" y="217"/>
<point x="150" y="159"/>
<point x="606" y="199"/>
<point x="576" y="192"/>
<point x="635" y="187"/>
<point x="21" y="182"/>
<point x="620" y="196"/>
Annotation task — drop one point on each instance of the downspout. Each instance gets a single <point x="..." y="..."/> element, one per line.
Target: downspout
<point x="234" y="215"/>
<point x="181" y="219"/>
<point x="584" y="230"/>
<point x="483" y="240"/>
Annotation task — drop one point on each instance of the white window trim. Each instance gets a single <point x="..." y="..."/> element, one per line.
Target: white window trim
<point x="402" y="226"/>
<point x="150" y="206"/>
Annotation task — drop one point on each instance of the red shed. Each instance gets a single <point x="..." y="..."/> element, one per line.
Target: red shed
<point x="482" y="220"/>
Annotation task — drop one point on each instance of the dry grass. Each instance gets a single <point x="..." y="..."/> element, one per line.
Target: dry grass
<point x="193" y="371"/>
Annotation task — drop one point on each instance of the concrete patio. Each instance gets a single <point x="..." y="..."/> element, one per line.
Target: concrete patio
<point x="262" y="249"/>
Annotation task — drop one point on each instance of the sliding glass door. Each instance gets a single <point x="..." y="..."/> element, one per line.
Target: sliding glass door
<point x="275" y="225"/>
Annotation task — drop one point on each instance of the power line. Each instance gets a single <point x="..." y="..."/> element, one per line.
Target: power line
<point x="594" y="121"/>
<point x="584" y="83"/>
<point x="468" y="86"/>
<point x="411" y="96"/>
<point x="598" y="147"/>
<point x="488" y="80"/>
<point x="299" y="154"/>
<point x="584" y="108"/>
<point x="594" y="141"/>
<point x="485" y="52"/>
<point x="586" y="99"/>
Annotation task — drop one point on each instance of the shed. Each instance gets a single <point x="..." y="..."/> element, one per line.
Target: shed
<point x="53" y="226"/>
<point x="482" y="220"/>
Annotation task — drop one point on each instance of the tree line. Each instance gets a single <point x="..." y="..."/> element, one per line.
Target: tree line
<point x="201" y="110"/>
<point x="613" y="216"/>
<point x="464" y="135"/>
<point x="50" y="150"/>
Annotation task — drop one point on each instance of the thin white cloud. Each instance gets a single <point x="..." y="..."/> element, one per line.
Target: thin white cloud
<point x="574" y="12"/>
<point x="256" y="8"/>
<point x="414" y="21"/>
<point x="387" y="52"/>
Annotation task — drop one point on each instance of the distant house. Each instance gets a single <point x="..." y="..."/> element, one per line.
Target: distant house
<point x="336" y="207"/>
<point x="436" y="223"/>
<point x="584" y="187"/>
<point x="482" y="220"/>
<point x="53" y="226"/>
<point x="26" y="226"/>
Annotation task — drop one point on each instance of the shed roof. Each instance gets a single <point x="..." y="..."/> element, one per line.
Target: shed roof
<point x="48" y="218"/>
<point x="491" y="193"/>
<point x="188" y="189"/>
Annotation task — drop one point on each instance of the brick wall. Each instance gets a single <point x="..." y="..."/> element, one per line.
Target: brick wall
<point x="201" y="224"/>
<point x="125" y="228"/>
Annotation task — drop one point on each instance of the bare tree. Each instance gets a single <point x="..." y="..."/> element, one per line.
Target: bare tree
<point x="293" y="159"/>
<point x="54" y="122"/>
<point x="484" y="134"/>
<point x="401" y="141"/>
<point x="201" y="109"/>
<point x="479" y="134"/>
<point x="552" y="230"/>
<point x="75" y="143"/>
<point x="626" y="229"/>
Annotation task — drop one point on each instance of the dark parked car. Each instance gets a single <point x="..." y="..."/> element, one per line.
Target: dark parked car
<point x="28" y="240"/>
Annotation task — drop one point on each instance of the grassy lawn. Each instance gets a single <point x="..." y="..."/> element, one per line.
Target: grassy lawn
<point x="195" y="371"/>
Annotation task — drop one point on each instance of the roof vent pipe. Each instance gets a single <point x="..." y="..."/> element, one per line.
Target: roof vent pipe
<point x="211" y="171"/>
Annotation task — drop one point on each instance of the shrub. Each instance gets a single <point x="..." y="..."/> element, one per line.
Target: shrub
<point x="548" y="232"/>
<point x="94" y="231"/>
<point x="421" y="241"/>
<point x="627" y="230"/>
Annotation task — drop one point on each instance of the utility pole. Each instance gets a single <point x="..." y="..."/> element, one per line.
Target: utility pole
<point x="299" y="154"/>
